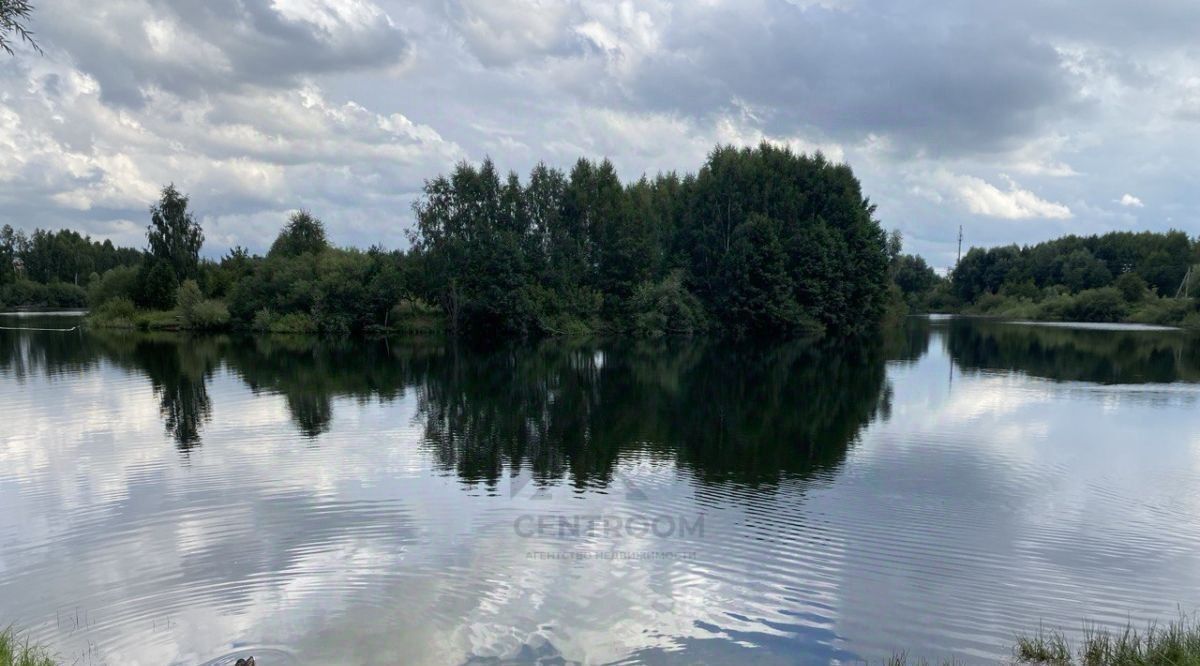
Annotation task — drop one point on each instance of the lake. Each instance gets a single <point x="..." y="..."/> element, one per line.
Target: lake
<point x="167" y="499"/>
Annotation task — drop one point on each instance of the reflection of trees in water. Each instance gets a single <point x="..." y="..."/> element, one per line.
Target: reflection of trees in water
<point x="1065" y="354"/>
<point x="735" y="412"/>
<point x="179" y="371"/>
<point x="310" y="372"/>
<point x="740" y="412"/>
<point x="178" y="367"/>
<point x="24" y="353"/>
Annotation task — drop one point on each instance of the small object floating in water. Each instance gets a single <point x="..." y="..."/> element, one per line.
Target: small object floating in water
<point x="249" y="661"/>
<point x="55" y="330"/>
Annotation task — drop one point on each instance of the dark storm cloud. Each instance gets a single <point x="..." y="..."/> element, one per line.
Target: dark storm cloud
<point x="188" y="48"/>
<point x="949" y="86"/>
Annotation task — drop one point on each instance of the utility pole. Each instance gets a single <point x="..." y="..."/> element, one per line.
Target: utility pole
<point x="959" y="246"/>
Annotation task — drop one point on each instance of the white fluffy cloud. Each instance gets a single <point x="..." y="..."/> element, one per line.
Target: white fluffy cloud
<point x="1014" y="203"/>
<point x="256" y="107"/>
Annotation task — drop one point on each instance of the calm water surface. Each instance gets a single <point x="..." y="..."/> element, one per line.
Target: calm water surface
<point x="167" y="499"/>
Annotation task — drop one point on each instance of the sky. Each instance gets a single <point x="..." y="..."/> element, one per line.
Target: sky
<point x="1020" y="121"/>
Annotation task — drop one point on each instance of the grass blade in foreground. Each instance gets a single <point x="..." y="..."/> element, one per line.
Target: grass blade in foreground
<point x="15" y="651"/>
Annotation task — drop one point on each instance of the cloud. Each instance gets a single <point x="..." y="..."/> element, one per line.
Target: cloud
<point x="72" y="159"/>
<point x="132" y="47"/>
<point x="1015" y="203"/>
<point x="1130" y="201"/>
<point x="344" y="106"/>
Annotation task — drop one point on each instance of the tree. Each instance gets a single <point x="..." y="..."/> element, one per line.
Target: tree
<point x="156" y="284"/>
<point x="756" y="292"/>
<point x="1132" y="287"/>
<point x="14" y="22"/>
<point x="303" y="233"/>
<point x="10" y="248"/>
<point x="1082" y="270"/>
<point x="564" y="253"/>
<point x="913" y="275"/>
<point x="175" y="237"/>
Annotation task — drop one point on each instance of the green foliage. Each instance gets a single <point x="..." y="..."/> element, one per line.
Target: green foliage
<point x="18" y="651"/>
<point x="1025" y="289"/>
<point x="57" y="256"/>
<point x="1191" y="322"/>
<point x="1132" y="286"/>
<point x="156" y="284"/>
<point x="302" y="234"/>
<point x="294" y="322"/>
<point x="340" y="290"/>
<point x="756" y="291"/>
<point x="1081" y="270"/>
<point x="25" y="293"/>
<point x="913" y="275"/>
<point x="914" y="278"/>
<point x="503" y="258"/>
<point x="1079" y="263"/>
<point x="262" y="320"/>
<point x="117" y="312"/>
<point x="1177" y="644"/>
<point x="196" y="312"/>
<point x="666" y="308"/>
<point x="207" y="315"/>
<point x="187" y="297"/>
<point x="1161" y="311"/>
<point x="175" y="237"/>
<point x="14" y="23"/>
<point x="119" y="282"/>
<point x="1098" y="305"/>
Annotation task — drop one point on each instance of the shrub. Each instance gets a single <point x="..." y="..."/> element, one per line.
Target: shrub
<point x="1161" y="311"/>
<point x="116" y="312"/>
<point x="294" y="322"/>
<point x="667" y="307"/>
<point x="1098" y="305"/>
<point x="943" y="299"/>
<point x="1192" y="321"/>
<point x="65" y="295"/>
<point x="198" y="313"/>
<point x="209" y="314"/>
<point x="262" y="320"/>
<point x="120" y="282"/>
<point x="990" y="303"/>
<point x="1056" y="308"/>
<point x="187" y="297"/>
<point x="1132" y="287"/>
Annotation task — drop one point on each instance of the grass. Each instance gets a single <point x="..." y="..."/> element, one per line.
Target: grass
<point x="16" y="651"/>
<point x="1176" y="644"/>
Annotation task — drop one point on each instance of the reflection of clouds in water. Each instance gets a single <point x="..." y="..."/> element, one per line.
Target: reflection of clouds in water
<point x="382" y="539"/>
<point x="1002" y="499"/>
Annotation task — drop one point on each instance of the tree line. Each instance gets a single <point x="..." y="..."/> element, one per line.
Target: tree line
<point x="758" y="241"/>
<point x="1118" y="276"/>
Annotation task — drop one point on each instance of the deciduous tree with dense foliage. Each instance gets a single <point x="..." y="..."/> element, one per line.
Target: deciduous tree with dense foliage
<point x="175" y="237"/>
<point x="568" y="252"/>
